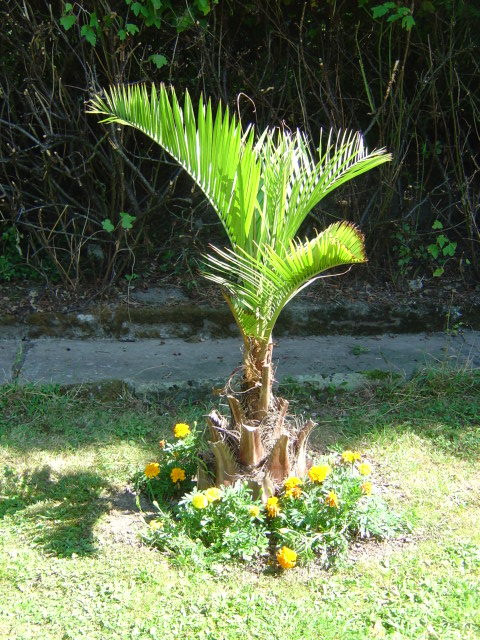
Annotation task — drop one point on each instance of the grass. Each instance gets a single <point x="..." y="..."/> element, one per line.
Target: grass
<point x="71" y="565"/>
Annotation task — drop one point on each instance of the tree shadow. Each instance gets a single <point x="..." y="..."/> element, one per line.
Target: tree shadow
<point x="55" y="512"/>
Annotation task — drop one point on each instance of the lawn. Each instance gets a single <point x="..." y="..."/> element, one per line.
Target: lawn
<point x="72" y="564"/>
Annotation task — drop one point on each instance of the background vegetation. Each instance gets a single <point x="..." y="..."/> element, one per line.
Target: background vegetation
<point x="81" y="202"/>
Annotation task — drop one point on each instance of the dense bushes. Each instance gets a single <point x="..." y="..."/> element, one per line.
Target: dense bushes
<point x="83" y="209"/>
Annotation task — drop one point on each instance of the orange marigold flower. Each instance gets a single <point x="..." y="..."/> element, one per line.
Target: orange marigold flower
<point x="286" y="558"/>
<point x="366" y="488"/>
<point x="161" y="444"/>
<point x="272" y="507"/>
<point x="177" y="474"/>
<point x="181" y="430"/>
<point x="332" y="500"/>
<point x="294" y="492"/>
<point x="319" y="473"/>
<point x="364" y="469"/>
<point x="152" y="469"/>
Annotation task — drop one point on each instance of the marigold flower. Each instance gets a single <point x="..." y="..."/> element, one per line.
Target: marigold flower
<point x="292" y="482"/>
<point x="161" y="444"/>
<point x="155" y="525"/>
<point x="272" y="507"/>
<point x="366" y="488"/>
<point x="181" y="430"/>
<point x="364" y="469"/>
<point x="357" y="455"/>
<point x="254" y="511"/>
<point x="332" y="500"/>
<point x="286" y="558"/>
<point x="294" y="492"/>
<point x="348" y="456"/>
<point x="152" y="469"/>
<point x="213" y="493"/>
<point x="200" y="501"/>
<point x="319" y="473"/>
<point x="177" y="474"/>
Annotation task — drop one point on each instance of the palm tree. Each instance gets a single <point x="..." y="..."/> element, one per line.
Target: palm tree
<point x="262" y="190"/>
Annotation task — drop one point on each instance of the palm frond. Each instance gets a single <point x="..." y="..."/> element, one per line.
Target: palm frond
<point x="221" y="159"/>
<point x="259" y="287"/>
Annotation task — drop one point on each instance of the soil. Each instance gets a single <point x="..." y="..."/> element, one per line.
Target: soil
<point x="20" y="299"/>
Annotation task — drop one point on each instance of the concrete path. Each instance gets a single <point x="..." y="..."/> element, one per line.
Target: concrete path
<point x="173" y="366"/>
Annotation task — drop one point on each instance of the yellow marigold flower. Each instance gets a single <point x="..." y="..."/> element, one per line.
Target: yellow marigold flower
<point x="212" y="494"/>
<point x="177" y="474"/>
<point x="357" y="455"/>
<point x="200" y="501"/>
<point x="364" y="469"/>
<point x="181" y="430"/>
<point x="286" y="558"/>
<point x="348" y="456"/>
<point x="366" y="488"/>
<point x="272" y="507"/>
<point x="254" y="511"/>
<point x="331" y="500"/>
<point x="294" y="492"/>
<point x="155" y="525"/>
<point x="319" y="473"/>
<point x="152" y="469"/>
<point x="291" y="482"/>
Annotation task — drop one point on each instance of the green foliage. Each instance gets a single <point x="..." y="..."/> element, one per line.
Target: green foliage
<point x="316" y="517"/>
<point x="262" y="190"/>
<point x="322" y="521"/>
<point x="13" y="264"/>
<point x="183" y="454"/>
<point x="395" y="12"/>
<point x="441" y="250"/>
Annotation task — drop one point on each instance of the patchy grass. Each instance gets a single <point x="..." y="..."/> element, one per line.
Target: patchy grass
<point x="71" y="564"/>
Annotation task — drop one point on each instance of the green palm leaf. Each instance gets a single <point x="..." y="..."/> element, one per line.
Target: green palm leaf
<point x="259" y="287"/>
<point x="261" y="190"/>
<point x="215" y="153"/>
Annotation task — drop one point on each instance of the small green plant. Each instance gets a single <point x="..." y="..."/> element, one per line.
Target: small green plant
<point x="178" y="463"/>
<point x="441" y="250"/>
<point x="311" y="518"/>
<point x="12" y="261"/>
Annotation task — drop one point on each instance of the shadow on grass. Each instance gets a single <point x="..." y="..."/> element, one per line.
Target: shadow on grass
<point x="57" y="514"/>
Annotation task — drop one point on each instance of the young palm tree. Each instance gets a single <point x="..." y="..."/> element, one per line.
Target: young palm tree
<point x="262" y="190"/>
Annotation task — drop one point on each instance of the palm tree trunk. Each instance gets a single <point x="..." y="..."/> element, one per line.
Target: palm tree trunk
<point x="260" y="443"/>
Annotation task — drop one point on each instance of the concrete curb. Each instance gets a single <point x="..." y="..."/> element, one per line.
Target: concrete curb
<point x="174" y="367"/>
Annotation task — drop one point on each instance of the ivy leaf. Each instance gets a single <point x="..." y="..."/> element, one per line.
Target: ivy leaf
<point x="382" y="9"/>
<point x="89" y="34"/>
<point x="126" y="220"/>
<point x="204" y="6"/>
<point x="437" y="225"/>
<point x="442" y="240"/>
<point x="433" y="250"/>
<point x="67" y="22"/>
<point x="122" y="34"/>
<point x="438" y="272"/>
<point x="137" y="8"/>
<point x="408" y="22"/>
<point x="158" y="60"/>
<point x="107" y="225"/>
<point x="449" y="250"/>
<point x="132" y="28"/>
